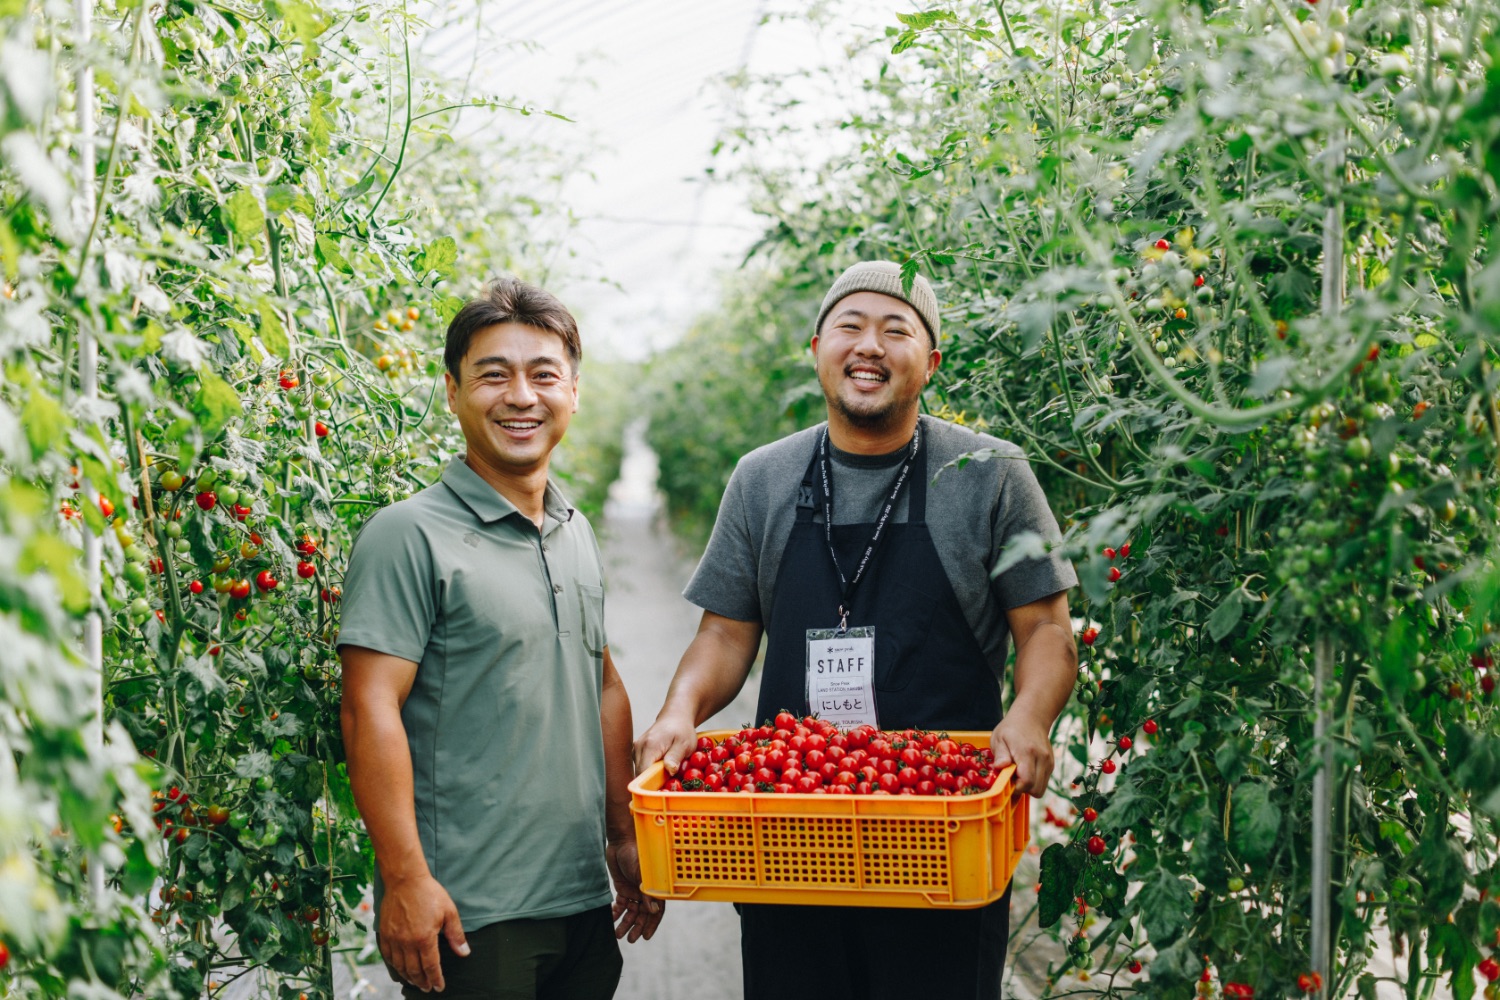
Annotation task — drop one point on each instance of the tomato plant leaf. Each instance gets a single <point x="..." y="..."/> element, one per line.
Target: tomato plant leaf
<point x="217" y="402"/>
<point x="1061" y="864"/>
<point x="60" y="560"/>
<point x="330" y="254"/>
<point x="1255" y="823"/>
<point x="1164" y="902"/>
<point x="243" y="214"/>
<point x="45" y="421"/>
<point x="272" y="333"/>
<point x="1226" y="616"/>
<point x="441" y="255"/>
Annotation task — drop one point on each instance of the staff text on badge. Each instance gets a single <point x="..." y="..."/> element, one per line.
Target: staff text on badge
<point x="841" y="676"/>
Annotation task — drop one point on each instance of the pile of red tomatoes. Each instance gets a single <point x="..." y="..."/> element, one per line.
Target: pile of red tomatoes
<point x="813" y="757"/>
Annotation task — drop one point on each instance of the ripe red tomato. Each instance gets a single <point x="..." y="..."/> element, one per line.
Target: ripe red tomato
<point x="1096" y="845"/>
<point x="1150" y="727"/>
<point x="207" y="499"/>
<point x="786" y="720"/>
<point x="106" y="507"/>
<point x="1114" y="574"/>
<point x="908" y="777"/>
<point x="240" y="589"/>
<point x="196" y="587"/>
<point x="765" y="776"/>
<point x="1089" y="635"/>
<point x="713" y="782"/>
<point x="1126" y="743"/>
<point x="1108" y="767"/>
<point x="690" y="774"/>
<point x="698" y="759"/>
<point x="1135" y="966"/>
<point x="1109" y="553"/>
<point x="1090" y="814"/>
<point x="266" y="582"/>
<point x="1124" y="550"/>
<point x="306" y="570"/>
<point x="4" y="956"/>
<point x="807" y="783"/>
<point x="320" y="429"/>
<point x="844" y="777"/>
<point x="217" y="815"/>
<point x="888" y="782"/>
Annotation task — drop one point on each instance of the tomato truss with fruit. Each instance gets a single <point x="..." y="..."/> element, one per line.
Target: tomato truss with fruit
<point x="811" y="756"/>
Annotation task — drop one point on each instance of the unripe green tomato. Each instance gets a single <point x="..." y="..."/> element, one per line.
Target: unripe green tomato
<point x="323" y="401"/>
<point x="321" y="377"/>
<point x="1418" y="680"/>
<point x="174" y="529"/>
<point x="140" y="608"/>
<point x="183" y="546"/>
<point x="135" y="553"/>
<point x="301" y="412"/>
<point x="1236" y="884"/>
<point x="207" y="478"/>
<point x="1086" y="696"/>
<point x="228" y="496"/>
<point x="1358" y="448"/>
<point x="238" y="474"/>
<point x="1093" y="897"/>
<point x="265" y="784"/>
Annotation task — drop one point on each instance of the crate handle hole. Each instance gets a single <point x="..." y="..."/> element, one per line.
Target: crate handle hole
<point x="661" y="821"/>
<point x="953" y="826"/>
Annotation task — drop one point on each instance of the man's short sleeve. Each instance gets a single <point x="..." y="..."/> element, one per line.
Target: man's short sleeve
<point x="389" y="601"/>
<point x="726" y="580"/>
<point x="1023" y="507"/>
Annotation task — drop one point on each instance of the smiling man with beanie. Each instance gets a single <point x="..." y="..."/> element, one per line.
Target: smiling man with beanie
<point x="847" y="527"/>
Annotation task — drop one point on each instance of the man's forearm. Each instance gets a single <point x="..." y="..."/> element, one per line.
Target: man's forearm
<point x="380" y="776"/>
<point x="619" y="731"/>
<point x="709" y="676"/>
<point x="1046" y="670"/>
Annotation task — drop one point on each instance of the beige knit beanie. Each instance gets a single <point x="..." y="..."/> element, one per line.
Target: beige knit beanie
<point x="884" y="277"/>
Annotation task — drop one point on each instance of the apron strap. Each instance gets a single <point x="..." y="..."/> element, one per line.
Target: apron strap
<point x="806" y="504"/>
<point x="916" y="505"/>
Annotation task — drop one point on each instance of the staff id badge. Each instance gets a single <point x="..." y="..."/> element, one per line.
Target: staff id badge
<point x="841" y="675"/>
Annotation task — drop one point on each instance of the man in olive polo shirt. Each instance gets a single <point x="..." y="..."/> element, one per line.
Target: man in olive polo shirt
<point x="488" y="733"/>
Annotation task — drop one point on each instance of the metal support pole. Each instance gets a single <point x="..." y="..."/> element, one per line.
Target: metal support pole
<point x="88" y="380"/>
<point x="1322" y="816"/>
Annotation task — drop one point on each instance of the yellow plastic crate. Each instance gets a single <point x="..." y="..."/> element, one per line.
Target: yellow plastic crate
<point x="830" y="850"/>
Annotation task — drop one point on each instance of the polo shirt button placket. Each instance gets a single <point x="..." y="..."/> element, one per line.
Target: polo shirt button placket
<point x="557" y="588"/>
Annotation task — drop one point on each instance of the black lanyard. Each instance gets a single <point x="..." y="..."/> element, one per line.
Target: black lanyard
<point x="847" y="584"/>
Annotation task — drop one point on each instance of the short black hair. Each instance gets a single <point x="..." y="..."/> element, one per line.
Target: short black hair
<point x="510" y="300"/>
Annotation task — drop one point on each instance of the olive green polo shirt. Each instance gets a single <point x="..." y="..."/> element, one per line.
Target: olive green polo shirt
<point x="506" y="624"/>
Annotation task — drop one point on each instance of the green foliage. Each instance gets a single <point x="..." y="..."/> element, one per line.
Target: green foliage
<point x="265" y="271"/>
<point x="1125" y="207"/>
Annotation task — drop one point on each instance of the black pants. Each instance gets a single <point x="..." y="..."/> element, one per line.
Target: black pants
<point x="872" y="953"/>
<point x="563" y="958"/>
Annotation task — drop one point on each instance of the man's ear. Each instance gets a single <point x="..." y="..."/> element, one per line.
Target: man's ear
<point x="451" y="384"/>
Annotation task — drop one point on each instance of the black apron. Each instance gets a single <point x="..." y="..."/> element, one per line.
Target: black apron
<point x="930" y="673"/>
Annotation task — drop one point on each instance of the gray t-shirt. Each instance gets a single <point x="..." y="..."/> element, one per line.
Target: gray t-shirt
<point x="506" y="624"/>
<point x="971" y="512"/>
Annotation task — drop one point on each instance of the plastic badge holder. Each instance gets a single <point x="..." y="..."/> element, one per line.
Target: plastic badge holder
<point x="954" y="851"/>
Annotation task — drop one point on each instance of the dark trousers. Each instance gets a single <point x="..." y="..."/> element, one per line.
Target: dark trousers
<point x="872" y="953"/>
<point x="562" y="958"/>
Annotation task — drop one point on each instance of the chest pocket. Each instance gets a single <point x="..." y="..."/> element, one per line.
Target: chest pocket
<point x="591" y="603"/>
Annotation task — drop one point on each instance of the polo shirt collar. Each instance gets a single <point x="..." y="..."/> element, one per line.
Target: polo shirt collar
<point x="488" y="504"/>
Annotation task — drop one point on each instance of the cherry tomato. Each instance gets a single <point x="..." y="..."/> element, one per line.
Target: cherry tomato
<point x="1108" y="767"/>
<point x="266" y="582"/>
<point x="1090" y="814"/>
<point x="786" y="720"/>
<point x="196" y="587"/>
<point x="207" y="499"/>
<point x="1150" y="727"/>
<point x="240" y="589"/>
<point x="1096" y="845"/>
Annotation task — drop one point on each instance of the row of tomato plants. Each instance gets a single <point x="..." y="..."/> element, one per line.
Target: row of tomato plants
<point x="1223" y="272"/>
<point x="283" y="221"/>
